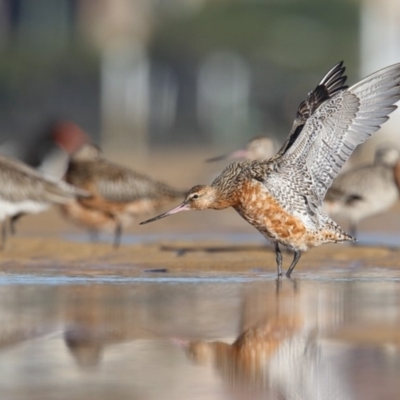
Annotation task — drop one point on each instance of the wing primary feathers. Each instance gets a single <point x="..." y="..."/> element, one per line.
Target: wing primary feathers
<point x="338" y="126"/>
<point x="332" y="83"/>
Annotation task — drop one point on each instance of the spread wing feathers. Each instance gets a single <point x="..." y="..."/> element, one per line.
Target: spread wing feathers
<point x="19" y="182"/>
<point x="127" y="186"/>
<point x="339" y="125"/>
<point x="332" y="83"/>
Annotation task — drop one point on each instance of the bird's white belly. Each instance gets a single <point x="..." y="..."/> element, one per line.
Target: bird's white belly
<point x="8" y="208"/>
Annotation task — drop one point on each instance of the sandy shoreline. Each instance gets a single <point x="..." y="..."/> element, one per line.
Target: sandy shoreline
<point x="28" y="255"/>
<point x="46" y="243"/>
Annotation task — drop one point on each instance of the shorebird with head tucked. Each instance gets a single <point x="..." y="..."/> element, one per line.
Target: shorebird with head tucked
<point x="365" y="191"/>
<point x="282" y="197"/>
<point x="24" y="190"/>
<point x="118" y="194"/>
<point x="259" y="148"/>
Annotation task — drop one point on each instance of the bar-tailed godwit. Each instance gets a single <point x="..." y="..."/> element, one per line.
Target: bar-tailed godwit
<point x="118" y="194"/>
<point x="282" y="197"/>
<point x="366" y="190"/>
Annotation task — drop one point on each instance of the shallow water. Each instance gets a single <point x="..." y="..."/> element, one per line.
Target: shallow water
<point x="327" y="335"/>
<point x="375" y="238"/>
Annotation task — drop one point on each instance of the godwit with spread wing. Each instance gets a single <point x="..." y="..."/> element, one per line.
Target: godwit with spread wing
<point x="118" y="194"/>
<point x="282" y="197"/>
<point x="366" y="190"/>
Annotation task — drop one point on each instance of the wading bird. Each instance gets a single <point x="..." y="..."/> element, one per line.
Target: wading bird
<point x="118" y="194"/>
<point x="365" y="191"/>
<point x="282" y="197"/>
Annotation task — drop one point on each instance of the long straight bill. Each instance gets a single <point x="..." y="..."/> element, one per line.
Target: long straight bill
<point x="182" y="207"/>
<point x="218" y="158"/>
<point x="236" y="154"/>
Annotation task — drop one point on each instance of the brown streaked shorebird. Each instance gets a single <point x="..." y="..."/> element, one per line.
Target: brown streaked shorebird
<point x="259" y="148"/>
<point x="118" y="194"/>
<point x="282" y="197"/>
<point x="23" y="190"/>
<point x="365" y="191"/>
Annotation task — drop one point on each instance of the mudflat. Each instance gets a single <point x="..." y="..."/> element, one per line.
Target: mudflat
<point x="192" y="242"/>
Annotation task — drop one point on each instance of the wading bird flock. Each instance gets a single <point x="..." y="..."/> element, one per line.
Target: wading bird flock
<point x="280" y="195"/>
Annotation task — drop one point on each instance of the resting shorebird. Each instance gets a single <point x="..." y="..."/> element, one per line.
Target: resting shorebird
<point x="366" y="190"/>
<point x="282" y="197"/>
<point x="118" y="194"/>
<point x="23" y="190"/>
<point x="259" y="148"/>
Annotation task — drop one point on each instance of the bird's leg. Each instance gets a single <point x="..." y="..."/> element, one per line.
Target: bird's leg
<point x="117" y="235"/>
<point x="3" y="235"/>
<point x="13" y="221"/>
<point x="296" y="258"/>
<point x="353" y="230"/>
<point x="278" y="259"/>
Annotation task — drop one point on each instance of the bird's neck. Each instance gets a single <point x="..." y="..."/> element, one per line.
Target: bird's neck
<point x="224" y="197"/>
<point x="226" y="186"/>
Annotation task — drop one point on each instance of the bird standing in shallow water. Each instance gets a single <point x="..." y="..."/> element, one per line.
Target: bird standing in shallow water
<point x="366" y="190"/>
<point x="282" y="197"/>
<point x="118" y="194"/>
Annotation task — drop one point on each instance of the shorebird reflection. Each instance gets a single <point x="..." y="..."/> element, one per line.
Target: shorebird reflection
<point x="284" y="355"/>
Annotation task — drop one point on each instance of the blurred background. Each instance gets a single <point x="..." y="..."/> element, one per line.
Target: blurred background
<point x="140" y="74"/>
<point x="147" y="79"/>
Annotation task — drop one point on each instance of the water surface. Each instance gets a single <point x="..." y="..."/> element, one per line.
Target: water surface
<point x="323" y="335"/>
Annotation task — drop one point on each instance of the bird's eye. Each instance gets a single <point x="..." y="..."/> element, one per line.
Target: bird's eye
<point x="195" y="196"/>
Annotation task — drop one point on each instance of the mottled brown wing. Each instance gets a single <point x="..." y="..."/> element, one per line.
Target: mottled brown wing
<point x="118" y="184"/>
<point x="335" y="129"/>
<point x="332" y="83"/>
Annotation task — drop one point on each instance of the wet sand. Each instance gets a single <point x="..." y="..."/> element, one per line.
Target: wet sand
<point x="59" y="256"/>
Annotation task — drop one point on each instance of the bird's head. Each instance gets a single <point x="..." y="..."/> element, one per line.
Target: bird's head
<point x="199" y="197"/>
